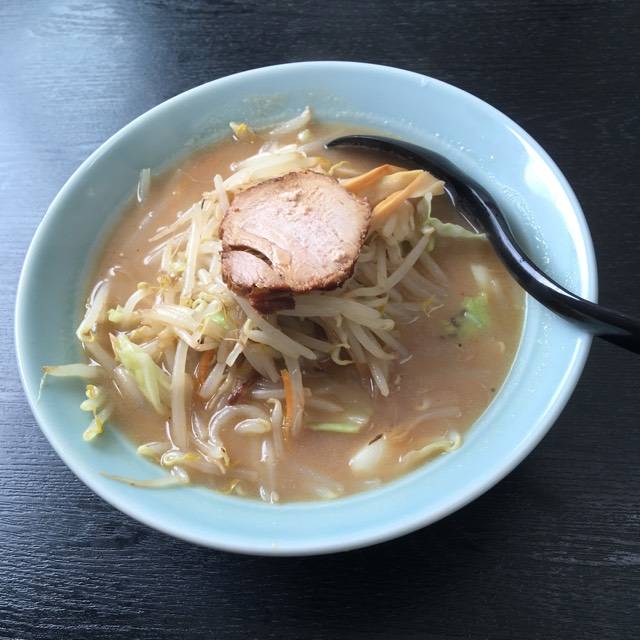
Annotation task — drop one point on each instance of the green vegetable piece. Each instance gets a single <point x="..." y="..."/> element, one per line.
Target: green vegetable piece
<point x="218" y="318"/>
<point x="149" y="377"/>
<point x="451" y="230"/>
<point x="442" y="229"/>
<point x="336" y="427"/>
<point x="473" y="318"/>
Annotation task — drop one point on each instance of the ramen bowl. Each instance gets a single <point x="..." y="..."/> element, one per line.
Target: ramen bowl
<point x="532" y="192"/>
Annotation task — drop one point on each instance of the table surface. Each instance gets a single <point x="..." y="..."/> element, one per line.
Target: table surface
<point x="553" y="551"/>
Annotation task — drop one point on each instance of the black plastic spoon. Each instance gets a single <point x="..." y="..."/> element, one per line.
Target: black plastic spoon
<point x="474" y="201"/>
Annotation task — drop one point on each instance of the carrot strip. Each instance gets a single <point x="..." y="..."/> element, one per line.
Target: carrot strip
<point x="423" y="183"/>
<point x="387" y="185"/>
<point x="365" y="179"/>
<point x="204" y="366"/>
<point x="289" y="403"/>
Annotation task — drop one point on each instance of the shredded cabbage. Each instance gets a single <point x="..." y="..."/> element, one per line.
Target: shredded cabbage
<point x="473" y="317"/>
<point x="451" y="230"/>
<point x="439" y="446"/>
<point x="369" y="457"/>
<point x="481" y="275"/>
<point x="149" y="377"/>
<point x="336" y="427"/>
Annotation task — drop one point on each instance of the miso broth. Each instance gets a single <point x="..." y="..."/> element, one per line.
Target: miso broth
<point x="444" y="338"/>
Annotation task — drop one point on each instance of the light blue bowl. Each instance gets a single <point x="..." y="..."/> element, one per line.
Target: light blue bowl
<point x="526" y="183"/>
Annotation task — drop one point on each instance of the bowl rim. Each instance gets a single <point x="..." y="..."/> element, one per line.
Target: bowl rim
<point x="388" y="529"/>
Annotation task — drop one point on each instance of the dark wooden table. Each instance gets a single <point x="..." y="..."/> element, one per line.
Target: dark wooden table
<point x="552" y="552"/>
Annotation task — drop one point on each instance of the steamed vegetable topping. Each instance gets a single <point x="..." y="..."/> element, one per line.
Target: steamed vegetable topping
<point x="150" y="378"/>
<point x="271" y="319"/>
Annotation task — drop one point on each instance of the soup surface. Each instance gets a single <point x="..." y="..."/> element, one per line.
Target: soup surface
<point x="367" y="412"/>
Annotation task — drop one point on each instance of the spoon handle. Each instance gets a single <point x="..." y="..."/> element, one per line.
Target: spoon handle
<point x="608" y="324"/>
<point x="466" y="193"/>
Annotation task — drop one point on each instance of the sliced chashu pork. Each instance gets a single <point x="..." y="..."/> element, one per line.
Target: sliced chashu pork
<point x="293" y="234"/>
